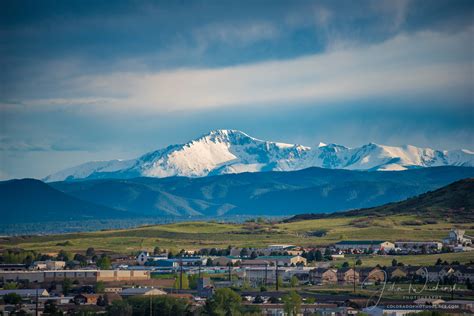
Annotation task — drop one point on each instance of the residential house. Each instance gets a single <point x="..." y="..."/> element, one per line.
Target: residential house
<point x="86" y="299"/>
<point x="301" y="273"/>
<point x="323" y="276"/>
<point x="435" y="273"/>
<point x="396" y="273"/>
<point x="347" y="275"/>
<point x="371" y="275"/>
<point x="463" y="273"/>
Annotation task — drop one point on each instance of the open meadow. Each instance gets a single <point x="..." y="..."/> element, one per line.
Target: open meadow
<point x="197" y="235"/>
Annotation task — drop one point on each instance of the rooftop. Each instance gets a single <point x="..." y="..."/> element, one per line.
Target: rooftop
<point x="360" y="242"/>
<point x="275" y="257"/>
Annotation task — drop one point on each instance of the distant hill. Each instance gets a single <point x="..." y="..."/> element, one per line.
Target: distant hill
<point x="454" y="202"/>
<point x="312" y="190"/>
<point x="30" y="200"/>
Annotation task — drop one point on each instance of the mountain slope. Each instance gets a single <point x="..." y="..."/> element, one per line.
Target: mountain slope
<point x="146" y="199"/>
<point x="231" y="151"/>
<point x="454" y="202"/>
<point x="316" y="190"/>
<point x="30" y="200"/>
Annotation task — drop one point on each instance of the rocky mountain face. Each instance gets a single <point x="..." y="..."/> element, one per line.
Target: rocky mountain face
<point x="231" y="151"/>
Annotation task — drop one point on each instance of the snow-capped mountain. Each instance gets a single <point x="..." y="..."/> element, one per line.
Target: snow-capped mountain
<point x="232" y="151"/>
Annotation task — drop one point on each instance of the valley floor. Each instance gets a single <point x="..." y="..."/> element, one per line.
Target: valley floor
<point x="197" y="235"/>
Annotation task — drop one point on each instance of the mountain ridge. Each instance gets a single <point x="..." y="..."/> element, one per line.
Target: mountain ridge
<point x="30" y="200"/>
<point x="232" y="151"/>
<point x="262" y="193"/>
<point x="312" y="190"/>
<point x="453" y="202"/>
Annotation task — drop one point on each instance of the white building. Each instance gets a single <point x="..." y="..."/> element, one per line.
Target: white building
<point x="374" y="245"/>
<point x="457" y="237"/>
<point x="49" y="265"/>
<point x="145" y="256"/>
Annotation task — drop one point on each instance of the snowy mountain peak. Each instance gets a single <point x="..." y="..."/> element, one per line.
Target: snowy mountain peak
<point x="226" y="135"/>
<point x="225" y="151"/>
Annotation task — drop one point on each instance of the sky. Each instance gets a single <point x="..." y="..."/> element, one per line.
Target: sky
<point x="98" y="80"/>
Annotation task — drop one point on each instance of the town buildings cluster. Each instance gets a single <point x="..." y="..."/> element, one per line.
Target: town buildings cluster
<point x="259" y="273"/>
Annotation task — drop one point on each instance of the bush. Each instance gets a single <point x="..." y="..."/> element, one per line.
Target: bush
<point x="12" y="298"/>
<point x="318" y="233"/>
<point x="120" y="308"/>
<point x="161" y="305"/>
<point x="99" y="287"/>
<point x="412" y="223"/>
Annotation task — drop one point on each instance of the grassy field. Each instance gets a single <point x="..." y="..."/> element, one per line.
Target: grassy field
<point x="196" y="235"/>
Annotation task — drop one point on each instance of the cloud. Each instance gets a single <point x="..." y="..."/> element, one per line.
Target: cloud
<point x="395" y="10"/>
<point x="425" y="65"/>
<point x="241" y="33"/>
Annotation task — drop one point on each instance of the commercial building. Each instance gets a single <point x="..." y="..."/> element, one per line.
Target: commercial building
<point x="419" y="246"/>
<point x="49" y="265"/>
<point x="82" y="276"/>
<point x="26" y="293"/>
<point x="374" y="245"/>
<point x="457" y="237"/>
<point x="284" y="260"/>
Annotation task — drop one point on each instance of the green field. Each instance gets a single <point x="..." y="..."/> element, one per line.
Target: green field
<point x="196" y="235"/>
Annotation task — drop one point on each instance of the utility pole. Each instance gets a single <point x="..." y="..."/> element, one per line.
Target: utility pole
<point x="199" y="270"/>
<point x="276" y="274"/>
<point x="180" y="273"/>
<point x="229" y="271"/>
<point x="354" y="276"/>
<point x="36" y="302"/>
<point x="266" y="272"/>
<point x="151" y="305"/>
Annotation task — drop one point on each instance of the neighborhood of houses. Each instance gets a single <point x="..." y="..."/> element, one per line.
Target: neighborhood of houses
<point x="257" y="272"/>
